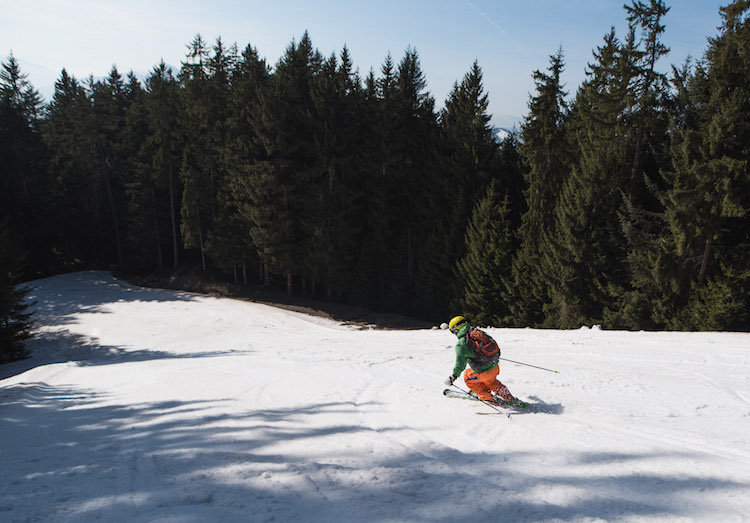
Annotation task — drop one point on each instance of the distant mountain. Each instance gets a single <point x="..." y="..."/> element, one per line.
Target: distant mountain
<point x="500" y="133"/>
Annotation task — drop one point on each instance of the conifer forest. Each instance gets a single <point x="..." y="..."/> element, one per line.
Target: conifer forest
<point x="625" y="203"/>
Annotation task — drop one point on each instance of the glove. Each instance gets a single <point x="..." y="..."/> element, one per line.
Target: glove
<point x="450" y="379"/>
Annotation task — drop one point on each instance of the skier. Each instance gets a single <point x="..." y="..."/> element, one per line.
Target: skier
<point x="480" y="377"/>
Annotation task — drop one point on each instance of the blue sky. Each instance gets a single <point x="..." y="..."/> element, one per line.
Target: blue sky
<point x="509" y="38"/>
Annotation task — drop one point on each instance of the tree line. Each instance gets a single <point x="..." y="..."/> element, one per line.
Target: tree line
<point x="624" y="205"/>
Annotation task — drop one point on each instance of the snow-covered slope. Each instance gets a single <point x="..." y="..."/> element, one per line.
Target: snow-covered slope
<point x="153" y="405"/>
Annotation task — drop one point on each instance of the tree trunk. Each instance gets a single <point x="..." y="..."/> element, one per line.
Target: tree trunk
<point x="289" y="287"/>
<point x="706" y="251"/>
<point x="200" y="239"/>
<point x="174" y="217"/>
<point x="636" y="168"/>
<point x="115" y="223"/>
<point x="410" y="257"/>
<point x="159" y="253"/>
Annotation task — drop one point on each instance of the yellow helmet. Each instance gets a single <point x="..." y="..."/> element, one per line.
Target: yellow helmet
<point x="457" y="323"/>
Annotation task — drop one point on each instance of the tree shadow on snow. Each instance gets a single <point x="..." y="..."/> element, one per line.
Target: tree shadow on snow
<point x="74" y="454"/>
<point x="62" y="346"/>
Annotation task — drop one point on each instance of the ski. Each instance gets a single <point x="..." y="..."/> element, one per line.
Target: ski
<point x="518" y="404"/>
<point x="450" y="393"/>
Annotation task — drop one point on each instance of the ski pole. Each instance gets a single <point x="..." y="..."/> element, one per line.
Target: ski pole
<point x="548" y="370"/>
<point x="480" y="399"/>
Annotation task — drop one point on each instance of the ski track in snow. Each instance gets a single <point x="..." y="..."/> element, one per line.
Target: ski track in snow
<point x="154" y="405"/>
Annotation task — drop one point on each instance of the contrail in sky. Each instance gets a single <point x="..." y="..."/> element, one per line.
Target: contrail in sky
<point x="492" y="22"/>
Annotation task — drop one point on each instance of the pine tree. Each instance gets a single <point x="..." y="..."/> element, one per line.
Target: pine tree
<point x="655" y="278"/>
<point x="632" y="298"/>
<point x="470" y="155"/>
<point x="470" y="147"/>
<point x="334" y="224"/>
<point x="199" y="191"/>
<point x="721" y="304"/>
<point x="411" y="111"/>
<point x="106" y="159"/>
<point x="584" y="255"/>
<point x="511" y="179"/>
<point x="222" y="245"/>
<point x="143" y="235"/>
<point x="708" y="197"/>
<point x="647" y="94"/>
<point x="547" y="152"/>
<point x="280" y="180"/>
<point x="24" y="189"/>
<point x="374" y="260"/>
<point x="161" y="105"/>
<point x="653" y="271"/>
<point x="73" y="204"/>
<point x="485" y="267"/>
<point x="15" y="320"/>
<point x="249" y="79"/>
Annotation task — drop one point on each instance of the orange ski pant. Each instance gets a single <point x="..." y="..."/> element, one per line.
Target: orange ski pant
<point x="485" y="383"/>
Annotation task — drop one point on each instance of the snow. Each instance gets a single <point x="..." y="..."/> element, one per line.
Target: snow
<point x="500" y="133"/>
<point x="156" y="405"/>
